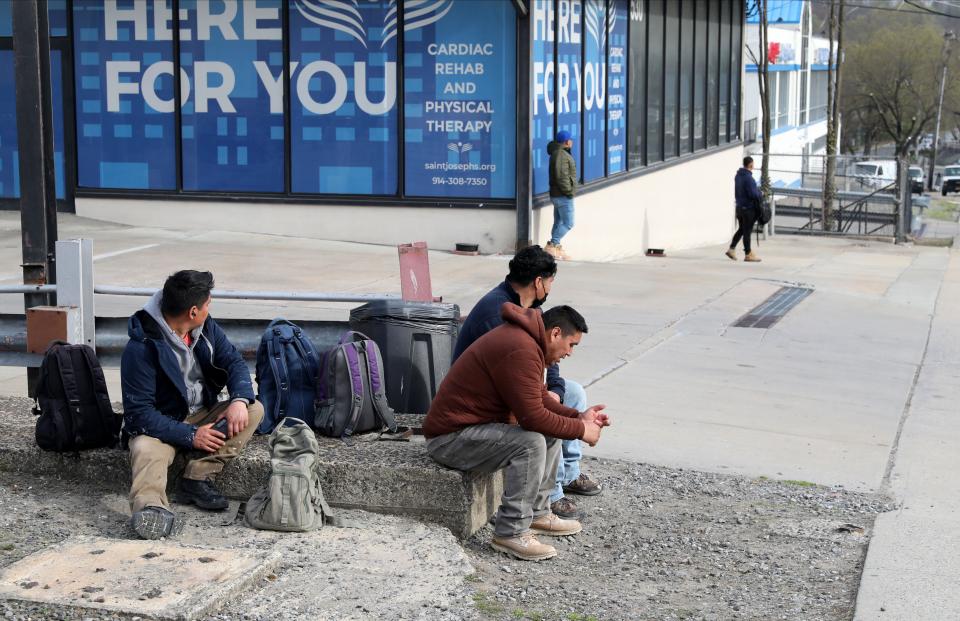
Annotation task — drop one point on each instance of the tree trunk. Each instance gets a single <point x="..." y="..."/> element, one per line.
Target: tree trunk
<point x="833" y="92"/>
<point x="763" y="76"/>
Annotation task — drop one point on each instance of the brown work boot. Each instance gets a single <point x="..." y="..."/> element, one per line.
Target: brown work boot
<point x="553" y="526"/>
<point x="732" y="254"/>
<point x="751" y="258"/>
<point x="552" y="250"/>
<point x="565" y="508"/>
<point x="524" y="547"/>
<point x="583" y="486"/>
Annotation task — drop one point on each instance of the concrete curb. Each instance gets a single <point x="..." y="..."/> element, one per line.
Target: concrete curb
<point x="396" y="478"/>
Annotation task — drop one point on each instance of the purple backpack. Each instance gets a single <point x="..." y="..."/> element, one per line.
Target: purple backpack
<point x="350" y="389"/>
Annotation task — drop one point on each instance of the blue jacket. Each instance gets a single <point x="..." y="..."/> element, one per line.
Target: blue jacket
<point x="486" y="316"/>
<point x="747" y="193"/>
<point x="154" y="394"/>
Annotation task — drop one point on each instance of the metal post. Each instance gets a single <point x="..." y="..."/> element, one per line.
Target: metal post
<point x="902" y="200"/>
<point x="947" y="38"/>
<point x="75" y="283"/>
<point x="38" y="197"/>
<point x="524" y="138"/>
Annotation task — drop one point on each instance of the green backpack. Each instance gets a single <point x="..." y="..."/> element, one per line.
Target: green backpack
<point x="292" y="500"/>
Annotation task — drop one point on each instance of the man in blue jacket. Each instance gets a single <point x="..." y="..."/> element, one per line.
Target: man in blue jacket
<point x="531" y="276"/>
<point x="173" y="370"/>
<point x="748" y="202"/>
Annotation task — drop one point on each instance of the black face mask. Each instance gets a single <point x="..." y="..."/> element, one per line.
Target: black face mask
<point x="538" y="302"/>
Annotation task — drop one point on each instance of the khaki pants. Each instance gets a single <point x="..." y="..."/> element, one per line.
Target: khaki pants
<point x="150" y="458"/>
<point x="530" y="460"/>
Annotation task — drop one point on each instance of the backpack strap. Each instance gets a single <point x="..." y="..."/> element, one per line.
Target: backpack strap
<point x="351" y="335"/>
<point x="68" y="378"/>
<point x="279" y="367"/>
<point x="380" y="405"/>
<point x="100" y="392"/>
<point x="356" y="387"/>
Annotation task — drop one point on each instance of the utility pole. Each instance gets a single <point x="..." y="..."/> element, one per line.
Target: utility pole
<point x="38" y="196"/>
<point x="948" y="36"/>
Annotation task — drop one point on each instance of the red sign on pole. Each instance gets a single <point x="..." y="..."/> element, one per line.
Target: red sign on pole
<point x="415" y="272"/>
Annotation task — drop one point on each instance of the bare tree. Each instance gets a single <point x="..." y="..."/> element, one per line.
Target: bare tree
<point x="761" y="58"/>
<point x="834" y="75"/>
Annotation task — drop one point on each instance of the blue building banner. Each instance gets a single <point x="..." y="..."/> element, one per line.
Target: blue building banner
<point x="569" y="76"/>
<point x="594" y="88"/>
<point x="9" y="172"/>
<point x="617" y="87"/>
<point x="544" y="99"/>
<point x="460" y="98"/>
<point x="123" y="69"/>
<point x="232" y="122"/>
<point x="343" y="62"/>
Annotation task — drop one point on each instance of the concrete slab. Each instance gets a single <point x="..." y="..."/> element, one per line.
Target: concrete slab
<point x="157" y="579"/>
<point x="396" y="478"/>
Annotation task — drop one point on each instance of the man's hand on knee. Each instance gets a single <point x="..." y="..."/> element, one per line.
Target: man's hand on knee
<point x="208" y="439"/>
<point x="237" y="418"/>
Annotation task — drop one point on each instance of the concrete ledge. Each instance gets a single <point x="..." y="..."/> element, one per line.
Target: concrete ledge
<point x="385" y="477"/>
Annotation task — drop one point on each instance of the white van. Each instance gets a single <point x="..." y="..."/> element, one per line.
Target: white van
<point x="876" y="174"/>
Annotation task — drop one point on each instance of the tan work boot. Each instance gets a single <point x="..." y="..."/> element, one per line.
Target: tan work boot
<point x="562" y="254"/>
<point x="552" y="250"/>
<point x="751" y="258"/>
<point x="732" y="253"/>
<point x="553" y="526"/>
<point x="524" y="547"/>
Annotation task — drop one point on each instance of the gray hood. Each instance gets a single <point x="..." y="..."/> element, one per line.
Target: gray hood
<point x="189" y="367"/>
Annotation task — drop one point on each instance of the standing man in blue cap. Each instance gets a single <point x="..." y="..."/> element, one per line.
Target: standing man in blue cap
<point x="563" y="184"/>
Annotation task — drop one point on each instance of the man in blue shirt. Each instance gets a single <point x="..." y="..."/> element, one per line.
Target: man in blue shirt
<point x="531" y="276"/>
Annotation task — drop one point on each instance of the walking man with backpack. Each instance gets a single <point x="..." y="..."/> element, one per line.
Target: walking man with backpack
<point x="173" y="370"/>
<point x="748" y="199"/>
<point x="528" y="284"/>
<point x="492" y="411"/>
<point x="563" y="185"/>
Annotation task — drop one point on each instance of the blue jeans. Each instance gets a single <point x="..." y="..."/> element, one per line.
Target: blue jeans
<point x="562" y="218"/>
<point x="568" y="469"/>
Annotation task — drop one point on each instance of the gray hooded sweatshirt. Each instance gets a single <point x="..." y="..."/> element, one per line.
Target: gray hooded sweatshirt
<point x="192" y="374"/>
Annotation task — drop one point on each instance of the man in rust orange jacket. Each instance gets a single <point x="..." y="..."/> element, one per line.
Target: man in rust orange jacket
<point x="492" y="411"/>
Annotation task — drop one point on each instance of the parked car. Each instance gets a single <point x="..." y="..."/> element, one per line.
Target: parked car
<point x="917" y="179"/>
<point x="950" y="182"/>
<point x="875" y="174"/>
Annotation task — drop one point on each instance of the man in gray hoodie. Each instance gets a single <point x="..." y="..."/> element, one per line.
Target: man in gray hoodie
<point x="173" y="370"/>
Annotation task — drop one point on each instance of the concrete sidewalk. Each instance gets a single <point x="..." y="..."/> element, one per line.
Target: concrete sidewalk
<point x="823" y="396"/>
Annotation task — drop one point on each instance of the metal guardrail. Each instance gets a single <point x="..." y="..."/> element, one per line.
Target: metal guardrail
<point x="223" y="294"/>
<point x="856" y="213"/>
<point x="112" y="338"/>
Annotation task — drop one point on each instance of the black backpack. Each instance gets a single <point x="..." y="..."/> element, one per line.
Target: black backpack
<point x="763" y="212"/>
<point x="72" y="401"/>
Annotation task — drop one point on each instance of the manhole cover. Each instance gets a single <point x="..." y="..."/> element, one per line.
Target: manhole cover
<point x="154" y="579"/>
<point x="773" y="308"/>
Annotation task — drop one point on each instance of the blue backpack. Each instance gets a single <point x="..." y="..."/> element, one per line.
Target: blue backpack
<point x="286" y="374"/>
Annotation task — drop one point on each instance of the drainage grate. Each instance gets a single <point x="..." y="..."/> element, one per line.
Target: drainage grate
<point x="773" y="308"/>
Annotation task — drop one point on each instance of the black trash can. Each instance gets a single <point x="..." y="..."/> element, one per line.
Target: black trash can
<point x="417" y="341"/>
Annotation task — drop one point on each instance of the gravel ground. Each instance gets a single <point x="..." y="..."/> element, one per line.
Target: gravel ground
<point x="675" y="544"/>
<point x="657" y="544"/>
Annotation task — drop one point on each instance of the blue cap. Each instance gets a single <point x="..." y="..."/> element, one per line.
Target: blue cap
<point x="563" y="136"/>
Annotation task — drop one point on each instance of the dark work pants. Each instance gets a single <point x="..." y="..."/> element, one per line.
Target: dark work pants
<point x="746" y="218"/>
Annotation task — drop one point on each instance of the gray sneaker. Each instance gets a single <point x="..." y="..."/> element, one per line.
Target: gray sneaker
<point x="155" y="522"/>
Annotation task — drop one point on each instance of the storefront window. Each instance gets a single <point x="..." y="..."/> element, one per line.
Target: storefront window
<point x="617" y="86"/>
<point x="232" y="123"/>
<point x="544" y="96"/>
<point x="594" y="87"/>
<point x="123" y="71"/>
<point x="343" y="99"/>
<point x="569" y="73"/>
<point x="460" y="100"/>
